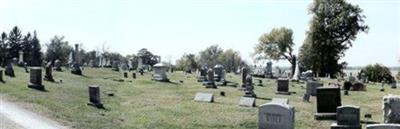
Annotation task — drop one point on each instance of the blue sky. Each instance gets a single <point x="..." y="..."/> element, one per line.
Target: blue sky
<point x="174" y="27"/>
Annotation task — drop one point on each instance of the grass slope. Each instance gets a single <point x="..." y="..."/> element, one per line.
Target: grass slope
<point x="142" y="103"/>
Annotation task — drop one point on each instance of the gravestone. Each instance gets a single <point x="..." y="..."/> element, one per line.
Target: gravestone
<point x="26" y="67"/>
<point x="1" y="75"/>
<point x="222" y="81"/>
<point x="391" y="109"/>
<point x="94" y="96"/>
<point x="247" y="101"/>
<point x="347" y="117"/>
<point x="276" y="116"/>
<point x="347" y="85"/>
<point x="9" y="71"/>
<point x="218" y="72"/>
<point x="249" y="91"/>
<point x="160" y="74"/>
<point x="48" y="72"/>
<point x="35" y="81"/>
<point x="328" y="99"/>
<point x="57" y="65"/>
<point x="394" y="85"/>
<point x="312" y="86"/>
<point x="125" y="74"/>
<point x="283" y="86"/>
<point x="245" y="72"/>
<point x="203" y="75"/>
<point x="383" y="126"/>
<point x="268" y="70"/>
<point x="114" y="66"/>
<point x="204" y="97"/>
<point x="210" y="83"/>
<point x="76" y="68"/>
<point x="124" y="66"/>
<point x="134" y="75"/>
<point x="21" y="58"/>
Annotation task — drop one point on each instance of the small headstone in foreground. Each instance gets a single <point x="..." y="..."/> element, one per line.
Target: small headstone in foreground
<point x="247" y="101"/>
<point x="276" y="116"/>
<point x="204" y="97"/>
<point x="391" y="109"/>
<point x="347" y="117"/>
<point x="94" y="96"/>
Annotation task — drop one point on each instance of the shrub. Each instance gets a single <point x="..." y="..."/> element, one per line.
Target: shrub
<point x="378" y="73"/>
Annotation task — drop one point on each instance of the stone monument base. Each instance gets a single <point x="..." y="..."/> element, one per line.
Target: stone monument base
<point x="97" y="105"/>
<point x="325" y="116"/>
<point x="336" y="126"/>
<point x="283" y="93"/>
<point x="48" y="79"/>
<point x="36" y="86"/>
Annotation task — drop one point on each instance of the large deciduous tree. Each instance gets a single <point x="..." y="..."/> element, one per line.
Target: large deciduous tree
<point x="210" y="56"/>
<point x="186" y="62"/>
<point x="333" y="28"/>
<point x="58" y="49"/>
<point x="276" y="45"/>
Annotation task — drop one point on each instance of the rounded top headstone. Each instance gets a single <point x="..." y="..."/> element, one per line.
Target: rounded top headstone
<point x="160" y="65"/>
<point x="218" y="66"/>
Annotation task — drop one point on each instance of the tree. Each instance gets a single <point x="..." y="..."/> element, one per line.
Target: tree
<point x="186" y="62"/>
<point x="147" y="57"/>
<point x="58" y="49"/>
<point x="277" y="45"/>
<point x="14" y="43"/>
<point x="36" y="56"/>
<point x="230" y="59"/>
<point x="3" y="49"/>
<point x="26" y="47"/>
<point x="210" y="56"/>
<point x="378" y="73"/>
<point x="333" y="28"/>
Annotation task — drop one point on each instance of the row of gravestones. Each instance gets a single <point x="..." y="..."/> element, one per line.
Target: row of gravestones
<point x="213" y="76"/>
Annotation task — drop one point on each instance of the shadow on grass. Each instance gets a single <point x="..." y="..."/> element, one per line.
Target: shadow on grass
<point x="368" y="122"/>
<point x="263" y="98"/>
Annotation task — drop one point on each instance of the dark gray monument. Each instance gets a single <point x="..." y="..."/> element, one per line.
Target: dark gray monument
<point x="218" y="72"/>
<point x="276" y="116"/>
<point x="283" y="86"/>
<point x="1" y="75"/>
<point x="9" y="71"/>
<point x="328" y="99"/>
<point x="134" y="75"/>
<point x="35" y="81"/>
<point x="76" y="68"/>
<point x="245" y="72"/>
<point x="203" y="75"/>
<point x="125" y="74"/>
<point x="49" y="72"/>
<point x="94" y="96"/>
<point x="249" y="90"/>
<point x="210" y="83"/>
<point x="347" y="117"/>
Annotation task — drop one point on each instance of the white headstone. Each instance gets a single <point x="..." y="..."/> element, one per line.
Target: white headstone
<point x="276" y="116"/>
<point x="204" y="97"/>
<point x="247" y="101"/>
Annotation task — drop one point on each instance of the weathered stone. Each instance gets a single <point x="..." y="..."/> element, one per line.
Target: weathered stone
<point x="35" y="81"/>
<point x="9" y="71"/>
<point x="391" y="109"/>
<point x="204" y="97"/>
<point x="249" y="90"/>
<point x="347" y="117"/>
<point x="210" y="83"/>
<point x="276" y="116"/>
<point x="312" y="86"/>
<point x="160" y="74"/>
<point x="94" y="96"/>
<point x="48" y="72"/>
<point x="245" y="72"/>
<point x="247" y="101"/>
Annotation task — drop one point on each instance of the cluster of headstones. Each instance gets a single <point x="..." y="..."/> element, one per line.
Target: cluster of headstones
<point x="213" y="77"/>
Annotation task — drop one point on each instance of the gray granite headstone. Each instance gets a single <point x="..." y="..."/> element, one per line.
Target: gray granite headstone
<point x="312" y="86"/>
<point x="249" y="90"/>
<point x="94" y="96"/>
<point x="247" y="101"/>
<point x="245" y="72"/>
<point x="204" y="97"/>
<point x="9" y="71"/>
<point x="383" y="126"/>
<point x="35" y="81"/>
<point x="49" y="72"/>
<point x="391" y="109"/>
<point x="210" y="83"/>
<point x="347" y="117"/>
<point x="276" y="116"/>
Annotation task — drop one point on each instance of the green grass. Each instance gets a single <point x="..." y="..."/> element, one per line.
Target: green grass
<point x="142" y="103"/>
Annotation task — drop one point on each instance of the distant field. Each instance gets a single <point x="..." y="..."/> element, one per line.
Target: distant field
<point x="143" y="103"/>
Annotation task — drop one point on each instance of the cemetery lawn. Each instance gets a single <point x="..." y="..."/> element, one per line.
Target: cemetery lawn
<point x="142" y="103"/>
